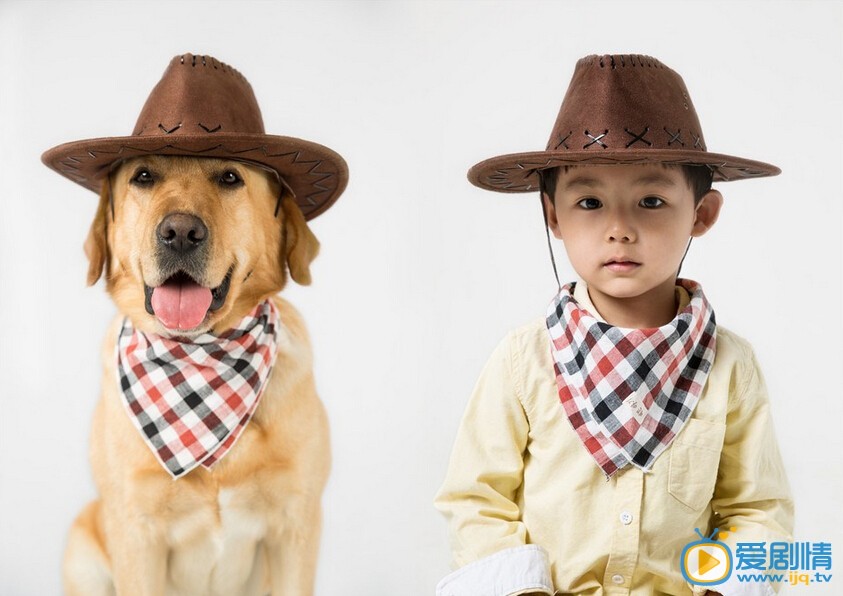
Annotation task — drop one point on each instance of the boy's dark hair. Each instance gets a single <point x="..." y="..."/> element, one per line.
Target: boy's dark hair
<point x="698" y="178"/>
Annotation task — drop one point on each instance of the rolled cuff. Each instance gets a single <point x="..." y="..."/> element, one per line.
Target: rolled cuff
<point x="512" y="571"/>
<point x="733" y="587"/>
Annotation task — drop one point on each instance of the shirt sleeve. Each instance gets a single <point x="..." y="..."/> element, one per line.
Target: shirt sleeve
<point x="752" y="494"/>
<point x="733" y="587"/>
<point x="478" y="497"/>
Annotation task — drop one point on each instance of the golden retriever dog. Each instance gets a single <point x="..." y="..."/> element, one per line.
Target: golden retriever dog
<point x="250" y="525"/>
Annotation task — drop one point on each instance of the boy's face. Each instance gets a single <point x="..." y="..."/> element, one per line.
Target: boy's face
<point x="625" y="228"/>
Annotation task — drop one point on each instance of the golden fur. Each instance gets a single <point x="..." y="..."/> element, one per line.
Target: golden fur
<point x="252" y="525"/>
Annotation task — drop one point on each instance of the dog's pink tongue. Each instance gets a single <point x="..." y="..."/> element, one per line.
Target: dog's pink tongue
<point x="181" y="305"/>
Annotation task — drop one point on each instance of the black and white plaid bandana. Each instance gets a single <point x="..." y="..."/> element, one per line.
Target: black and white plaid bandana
<point x="192" y="400"/>
<point x="628" y="392"/>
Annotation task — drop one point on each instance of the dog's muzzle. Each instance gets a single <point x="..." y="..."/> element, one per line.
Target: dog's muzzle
<point x="181" y="301"/>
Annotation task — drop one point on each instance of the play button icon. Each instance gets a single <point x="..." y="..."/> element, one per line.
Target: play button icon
<point x="706" y="562"/>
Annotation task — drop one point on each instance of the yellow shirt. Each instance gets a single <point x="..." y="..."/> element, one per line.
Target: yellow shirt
<point x="520" y="476"/>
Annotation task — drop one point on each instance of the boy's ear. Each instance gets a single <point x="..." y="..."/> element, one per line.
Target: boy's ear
<point x="300" y="245"/>
<point x="550" y="213"/>
<point x="96" y="244"/>
<point x="708" y="210"/>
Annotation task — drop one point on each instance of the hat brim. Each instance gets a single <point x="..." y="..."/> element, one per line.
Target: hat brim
<point x="517" y="172"/>
<point x="316" y="174"/>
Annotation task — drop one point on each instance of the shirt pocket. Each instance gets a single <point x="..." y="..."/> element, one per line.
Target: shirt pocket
<point x="694" y="461"/>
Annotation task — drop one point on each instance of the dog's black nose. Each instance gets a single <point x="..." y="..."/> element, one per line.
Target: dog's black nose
<point x="181" y="232"/>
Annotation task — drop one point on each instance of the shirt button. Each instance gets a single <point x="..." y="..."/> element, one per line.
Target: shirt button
<point x="618" y="579"/>
<point x="626" y="518"/>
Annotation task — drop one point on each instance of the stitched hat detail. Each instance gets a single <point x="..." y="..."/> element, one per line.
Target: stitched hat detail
<point x="619" y="109"/>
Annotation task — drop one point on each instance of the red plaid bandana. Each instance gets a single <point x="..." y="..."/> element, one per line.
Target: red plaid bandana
<point x="191" y="400"/>
<point x="628" y="392"/>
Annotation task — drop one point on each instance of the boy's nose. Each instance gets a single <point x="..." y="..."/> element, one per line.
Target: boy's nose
<point x="619" y="231"/>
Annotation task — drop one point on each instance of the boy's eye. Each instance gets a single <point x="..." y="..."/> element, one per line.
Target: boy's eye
<point x="143" y="177"/>
<point x="590" y="203"/>
<point x="651" y="202"/>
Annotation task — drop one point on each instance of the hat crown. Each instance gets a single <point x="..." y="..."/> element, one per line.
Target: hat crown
<point x="202" y="107"/>
<point x="626" y="101"/>
<point x="618" y="109"/>
<point x="199" y="95"/>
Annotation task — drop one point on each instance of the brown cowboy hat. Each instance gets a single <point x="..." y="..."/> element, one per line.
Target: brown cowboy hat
<point x="619" y="109"/>
<point x="204" y="108"/>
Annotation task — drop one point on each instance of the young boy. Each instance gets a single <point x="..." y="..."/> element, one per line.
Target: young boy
<point x="664" y="425"/>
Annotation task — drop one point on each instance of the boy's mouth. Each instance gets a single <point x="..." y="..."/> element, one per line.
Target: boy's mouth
<point x="621" y="265"/>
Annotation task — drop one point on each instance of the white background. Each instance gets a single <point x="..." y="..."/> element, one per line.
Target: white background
<point x="421" y="274"/>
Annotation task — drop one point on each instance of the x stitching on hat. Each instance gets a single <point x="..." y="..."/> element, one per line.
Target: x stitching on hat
<point x="638" y="137"/>
<point x="698" y="141"/>
<point x="674" y="138"/>
<point x="596" y="139"/>
<point x="562" y="142"/>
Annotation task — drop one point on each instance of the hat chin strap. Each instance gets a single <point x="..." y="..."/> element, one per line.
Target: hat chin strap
<point x="283" y="183"/>
<point x="549" y="245"/>
<point x="110" y="196"/>
<point x="683" y="256"/>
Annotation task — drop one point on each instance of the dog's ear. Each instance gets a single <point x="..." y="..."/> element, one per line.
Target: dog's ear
<point x="96" y="245"/>
<point x="300" y="245"/>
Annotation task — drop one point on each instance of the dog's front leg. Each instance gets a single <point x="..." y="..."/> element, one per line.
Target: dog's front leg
<point x="138" y="557"/>
<point x="140" y="570"/>
<point x="294" y="550"/>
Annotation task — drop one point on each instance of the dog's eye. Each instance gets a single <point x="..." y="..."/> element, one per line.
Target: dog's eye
<point x="143" y="177"/>
<point x="230" y="178"/>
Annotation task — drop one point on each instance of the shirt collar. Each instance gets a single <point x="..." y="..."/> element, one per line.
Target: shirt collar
<point x="584" y="300"/>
